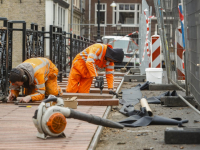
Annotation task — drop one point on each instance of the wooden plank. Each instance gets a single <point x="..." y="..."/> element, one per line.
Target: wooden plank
<point x="92" y="86"/>
<point x="92" y="82"/>
<point x="98" y="102"/>
<point x="93" y="90"/>
<point x="87" y="95"/>
<point x="115" y="74"/>
<point x="17" y="130"/>
<point x="115" y="79"/>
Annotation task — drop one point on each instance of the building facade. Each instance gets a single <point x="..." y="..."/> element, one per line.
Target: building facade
<point x="42" y="12"/>
<point x="120" y="20"/>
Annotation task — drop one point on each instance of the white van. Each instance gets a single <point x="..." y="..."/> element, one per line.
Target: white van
<point x="129" y="47"/>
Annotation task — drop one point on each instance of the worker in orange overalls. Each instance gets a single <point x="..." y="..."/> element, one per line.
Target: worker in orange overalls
<point x="38" y="76"/>
<point x="86" y="64"/>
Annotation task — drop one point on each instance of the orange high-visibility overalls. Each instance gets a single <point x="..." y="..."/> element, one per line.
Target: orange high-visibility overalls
<point x="45" y="79"/>
<point x="85" y="66"/>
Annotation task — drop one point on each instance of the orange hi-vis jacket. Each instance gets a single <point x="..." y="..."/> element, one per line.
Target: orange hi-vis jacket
<point x="93" y="58"/>
<point x="40" y="71"/>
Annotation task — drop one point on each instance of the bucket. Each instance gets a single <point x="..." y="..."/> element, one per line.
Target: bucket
<point x="154" y="75"/>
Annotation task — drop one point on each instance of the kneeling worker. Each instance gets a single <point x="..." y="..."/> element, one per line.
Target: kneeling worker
<point x="38" y="76"/>
<point x="86" y="64"/>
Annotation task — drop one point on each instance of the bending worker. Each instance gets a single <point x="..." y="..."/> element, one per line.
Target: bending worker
<point x="38" y="76"/>
<point x="86" y="64"/>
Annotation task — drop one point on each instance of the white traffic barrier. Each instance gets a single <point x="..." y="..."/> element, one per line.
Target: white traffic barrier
<point x="156" y="51"/>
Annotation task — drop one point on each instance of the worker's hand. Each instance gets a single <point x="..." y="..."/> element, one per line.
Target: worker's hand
<point x="24" y="99"/>
<point x="10" y="97"/>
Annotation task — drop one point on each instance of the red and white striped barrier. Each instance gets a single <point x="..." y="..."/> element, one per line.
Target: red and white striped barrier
<point x="146" y="40"/>
<point x="156" y="51"/>
<point x="179" y="55"/>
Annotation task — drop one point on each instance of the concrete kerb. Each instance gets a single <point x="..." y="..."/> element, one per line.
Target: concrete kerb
<point x="161" y="87"/>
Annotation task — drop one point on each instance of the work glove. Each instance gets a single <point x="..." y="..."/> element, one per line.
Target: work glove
<point x="114" y="93"/>
<point x="10" y="97"/>
<point x="24" y="99"/>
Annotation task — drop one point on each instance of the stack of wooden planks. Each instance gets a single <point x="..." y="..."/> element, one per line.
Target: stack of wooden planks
<point x="94" y="98"/>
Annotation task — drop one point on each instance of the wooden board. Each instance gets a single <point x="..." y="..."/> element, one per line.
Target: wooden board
<point x="92" y="90"/>
<point x="17" y="130"/>
<point x="88" y="102"/>
<point x="98" y="102"/>
<point x="116" y="74"/>
<point x="63" y="85"/>
<point x="105" y="84"/>
<point x="87" y="95"/>
<point x="115" y="79"/>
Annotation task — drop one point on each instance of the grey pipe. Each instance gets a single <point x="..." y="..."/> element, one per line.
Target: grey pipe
<point x="94" y="119"/>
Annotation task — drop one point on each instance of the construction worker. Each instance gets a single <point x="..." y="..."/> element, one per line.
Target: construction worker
<point x="86" y="63"/>
<point x="38" y="76"/>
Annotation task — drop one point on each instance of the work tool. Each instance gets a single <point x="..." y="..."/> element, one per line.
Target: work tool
<point x="51" y="120"/>
<point x="99" y="83"/>
<point x="125" y="69"/>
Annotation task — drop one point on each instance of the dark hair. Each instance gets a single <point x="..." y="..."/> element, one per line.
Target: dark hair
<point x="16" y="74"/>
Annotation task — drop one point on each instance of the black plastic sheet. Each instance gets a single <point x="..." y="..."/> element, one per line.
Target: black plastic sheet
<point x="142" y="119"/>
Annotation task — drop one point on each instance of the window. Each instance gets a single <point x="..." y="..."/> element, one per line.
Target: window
<point x="63" y="19"/>
<point x="168" y="4"/>
<point x="76" y="3"/>
<point x="54" y="13"/>
<point x="59" y="16"/>
<point x="127" y="14"/>
<point x="102" y="9"/>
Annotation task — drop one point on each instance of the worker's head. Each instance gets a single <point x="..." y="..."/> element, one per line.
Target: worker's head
<point x="114" y="55"/>
<point x="17" y="76"/>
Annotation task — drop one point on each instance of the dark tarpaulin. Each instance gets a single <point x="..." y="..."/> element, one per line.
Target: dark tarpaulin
<point x="142" y="119"/>
<point x="156" y="99"/>
<point x="130" y="97"/>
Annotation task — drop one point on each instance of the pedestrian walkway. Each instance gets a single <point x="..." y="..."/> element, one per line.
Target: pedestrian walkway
<point x="17" y="130"/>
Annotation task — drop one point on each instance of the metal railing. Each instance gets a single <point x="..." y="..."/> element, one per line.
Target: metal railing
<point x="63" y="48"/>
<point x="34" y="42"/>
<point x="179" y="36"/>
<point x="3" y="59"/>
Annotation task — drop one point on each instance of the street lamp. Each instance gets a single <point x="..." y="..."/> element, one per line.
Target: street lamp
<point x="113" y="4"/>
<point x="98" y="22"/>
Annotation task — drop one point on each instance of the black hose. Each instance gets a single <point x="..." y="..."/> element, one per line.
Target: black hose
<point x="94" y="119"/>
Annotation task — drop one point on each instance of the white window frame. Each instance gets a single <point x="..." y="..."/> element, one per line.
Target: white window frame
<point x="105" y="16"/>
<point x="60" y="16"/>
<point x="117" y="11"/>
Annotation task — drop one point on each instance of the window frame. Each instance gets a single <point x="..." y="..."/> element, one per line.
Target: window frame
<point x="105" y="15"/>
<point x="116" y="12"/>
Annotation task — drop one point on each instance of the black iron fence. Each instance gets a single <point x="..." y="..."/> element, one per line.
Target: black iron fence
<point x="78" y="44"/>
<point x="34" y="42"/>
<point x="3" y="58"/>
<point x="63" y="48"/>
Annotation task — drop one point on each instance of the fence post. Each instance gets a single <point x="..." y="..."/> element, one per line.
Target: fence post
<point x="4" y="83"/>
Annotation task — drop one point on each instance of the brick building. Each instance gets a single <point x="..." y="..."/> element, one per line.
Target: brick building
<point x="41" y="12"/>
<point x="126" y="13"/>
